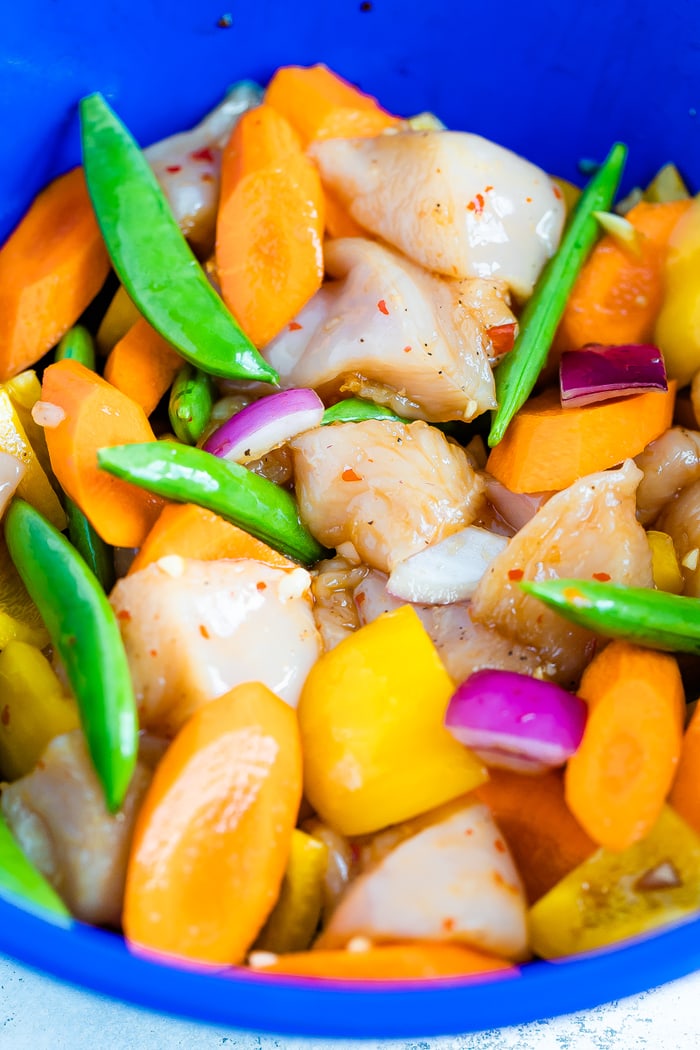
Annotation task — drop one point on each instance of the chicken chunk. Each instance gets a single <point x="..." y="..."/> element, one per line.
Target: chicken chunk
<point x="386" y="320"/>
<point x="453" y="202"/>
<point x="194" y="629"/>
<point x="387" y="488"/>
<point x="668" y="464"/>
<point x="587" y="530"/>
<point x="58" y="815"/>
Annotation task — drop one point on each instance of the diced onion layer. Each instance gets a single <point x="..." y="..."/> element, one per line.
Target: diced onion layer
<point x="266" y="424"/>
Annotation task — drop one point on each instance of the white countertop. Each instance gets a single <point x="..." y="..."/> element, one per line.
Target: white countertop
<point x="37" y="1013"/>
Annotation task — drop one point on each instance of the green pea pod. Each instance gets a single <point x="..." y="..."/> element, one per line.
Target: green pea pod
<point x="518" y="372"/>
<point x="355" y="410"/>
<point x="190" y="475"/>
<point x="96" y="553"/>
<point x="85" y="634"/>
<point x="654" y="619"/>
<point x="151" y="256"/>
<point x="77" y="344"/>
<point x="190" y="404"/>
<point x="21" y="883"/>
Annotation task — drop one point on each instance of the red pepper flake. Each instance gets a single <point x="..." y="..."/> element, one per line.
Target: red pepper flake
<point x="556" y="191"/>
<point x="261" y="585"/>
<point x="350" y="475"/>
<point x="487" y="189"/>
<point x="515" y="574"/>
<point x="382" y="307"/>
<point x="294" y="326"/>
<point x="477" y="205"/>
<point x="173" y="168"/>
<point x="365" y="6"/>
<point x="205" y="154"/>
<point x="360" y="598"/>
<point x="469" y="832"/>
<point x="5" y="717"/>
<point x="203" y="631"/>
<point x="124" y="614"/>
<point x="448" y="925"/>
<point x="206" y="176"/>
<point x="407" y="349"/>
<point x="528" y="200"/>
<point x="602" y="576"/>
<point x="153" y="652"/>
<point x="226" y="21"/>
<point x="502" y="338"/>
<point x="500" y="846"/>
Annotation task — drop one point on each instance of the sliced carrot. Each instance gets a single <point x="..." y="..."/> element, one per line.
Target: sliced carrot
<point x="545" y="839"/>
<point x="214" y="832"/>
<point x="339" y="222"/>
<point x="92" y="415"/>
<point x="270" y="224"/>
<point x="685" y="793"/>
<point x="618" y="780"/>
<point x="192" y="532"/>
<point x="143" y="365"/>
<point x="548" y="447"/>
<point x="389" y="962"/>
<point x="51" y="267"/>
<point x="321" y="105"/>
<point x="619" y="294"/>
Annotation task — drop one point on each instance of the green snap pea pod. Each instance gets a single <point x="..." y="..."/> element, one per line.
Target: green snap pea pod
<point x="655" y="619"/>
<point x="85" y="634"/>
<point x="77" y="344"/>
<point x="96" y="553"/>
<point x="152" y="258"/>
<point x="190" y="404"/>
<point x="517" y="373"/>
<point x="190" y="475"/>
<point x="355" y="410"/>
<point x="20" y="881"/>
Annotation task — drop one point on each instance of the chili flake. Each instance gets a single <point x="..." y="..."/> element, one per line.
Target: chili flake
<point x="382" y="307"/>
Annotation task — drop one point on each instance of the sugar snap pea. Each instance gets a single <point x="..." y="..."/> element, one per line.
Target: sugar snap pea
<point x="190" y="475"/>
<point x="517" y="373"/>
<point x="85" y="633"/>
<point x="77" y="344"/>
<point x="355" y="410"/>
<point x="654" y="619"/>
<point x="96" y="553"/>
<point x="190" y="404"/>
<point x="21" y="882"/>
<point x="151" y="256"/>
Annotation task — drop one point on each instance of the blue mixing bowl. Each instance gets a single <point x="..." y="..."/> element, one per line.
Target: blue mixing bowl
<point x="556" y="82"/>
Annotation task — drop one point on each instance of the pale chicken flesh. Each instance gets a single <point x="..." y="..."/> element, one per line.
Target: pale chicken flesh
<point x="387" y="320"/>
<point x="669" y="464"/>
<point x="453" y="202"/>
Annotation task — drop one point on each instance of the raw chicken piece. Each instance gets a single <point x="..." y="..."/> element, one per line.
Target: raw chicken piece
<point x="386" y="320"/>
<point x="668" y="464"/>
<point x="681" y="520"/>
<point x="454" y="202"/>
<point x="588" y="530"/>
<point x="57" y="814"/>
<point x="195" y="629"/>
<point x="388" y="488"/>
<point x="449" y="879"/>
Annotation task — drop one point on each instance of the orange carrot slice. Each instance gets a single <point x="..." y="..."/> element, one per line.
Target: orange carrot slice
<point x="192" y="532"/>
<point x="92" y="414"/>
<point x="388" y="962"/>
<point x="270" y="224"/>
<point x="685" y="793"/>
<point x="339" y="222"/>
<point x="548" y="447"/>
<point x="52" y="266"/>
<point x="545" y="839"/>
<point x="214" y="832"/>
<point x="321" y="105"/>
<point x="618" y="780"/>
<point x="143" y="365"/>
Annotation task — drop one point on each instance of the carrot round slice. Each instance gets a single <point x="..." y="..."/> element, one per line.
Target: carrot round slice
<point x="390" y="962"/>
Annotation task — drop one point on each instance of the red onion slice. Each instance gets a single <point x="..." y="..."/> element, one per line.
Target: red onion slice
<point x="516" y="722"/>
<point x="597" y="373"/>
<point x="266" y="424"/>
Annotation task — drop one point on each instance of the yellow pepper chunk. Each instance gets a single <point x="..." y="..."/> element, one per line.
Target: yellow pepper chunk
<point x="612" y="896"/>
<point x="665" y="566"/>
<point x="678" y="324"/>
<point x="33" y="708"/>
<point x="35" y="486"/>
<point x="19" y="617"/>
<point x="371" y="715"/>
<point x="25" y="390"/>
<point x="295" y="918"/>
<point x="120" y="316"/>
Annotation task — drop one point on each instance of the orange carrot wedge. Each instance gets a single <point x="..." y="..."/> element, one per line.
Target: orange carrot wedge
<point x="270" y="224"/>
<point x="685" y="793"/>
<point x="213" y="835"/>
<point x="618" y="780"/>
<point x="143" y="365"/>
<point x="339" y="222"/>
<point x="321" y="105"/>
<point x="192" y="532"/>
<point x="389" y="962"/>
<point x="545" y="839"/>
<point x="548" y="447"/>
<point x="93" y="414"/>
<point x="51" y="267"/>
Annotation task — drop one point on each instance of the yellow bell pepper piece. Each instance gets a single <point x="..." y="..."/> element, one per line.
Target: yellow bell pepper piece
<point x="35" y="486"/>
<point x="371" y="716"/>
<point x="665" y="566"/>
<point x="678" y="324"/>
<point x="25" y="390"/>
<point x="33" y="708"/>
<point x="295" y="918"/>
<point x="120" y="316"/>
<point x="612" y="896"/>
<point x="19" y="617"/>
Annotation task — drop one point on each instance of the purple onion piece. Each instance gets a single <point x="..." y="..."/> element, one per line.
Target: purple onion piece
<point x="266" y="424"/>
<point x="516" y="722"/>
<point x="597" y="373"/>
